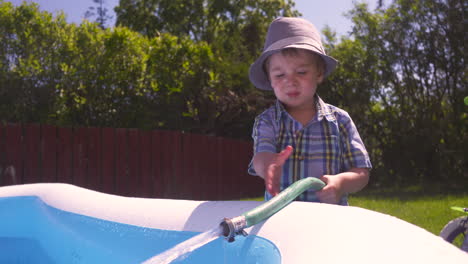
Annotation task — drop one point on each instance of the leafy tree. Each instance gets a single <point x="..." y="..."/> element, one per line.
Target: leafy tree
<point x="29" y="46"/>
<point x="403" y="76"/>
<point x="234" y="30"/>
<point x="117" y="78"/>
<point x="201" y="20"/>
<point x="100" y="11"/>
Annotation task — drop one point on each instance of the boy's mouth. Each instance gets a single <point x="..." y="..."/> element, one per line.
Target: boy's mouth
<point x="292" y="94"/>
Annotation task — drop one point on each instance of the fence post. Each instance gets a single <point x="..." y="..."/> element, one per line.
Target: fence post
<point x="13" y="166"/>
<point x="108" y="160"/>
<point x="65" y="155"/>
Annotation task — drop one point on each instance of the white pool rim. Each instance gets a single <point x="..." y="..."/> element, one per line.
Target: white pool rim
<point x="303" y="232"/>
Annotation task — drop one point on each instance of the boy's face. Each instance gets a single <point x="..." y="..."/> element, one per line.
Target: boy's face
<point x="294" y="77"/>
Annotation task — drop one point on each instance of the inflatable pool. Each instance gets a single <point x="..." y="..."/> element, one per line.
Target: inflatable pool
<point x="62" y="223"/>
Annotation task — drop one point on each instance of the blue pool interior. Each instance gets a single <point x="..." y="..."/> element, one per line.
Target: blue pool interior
<point x="33" y="232"/>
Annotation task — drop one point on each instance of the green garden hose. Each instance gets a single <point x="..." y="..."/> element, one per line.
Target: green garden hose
<point x="235" y="226"/>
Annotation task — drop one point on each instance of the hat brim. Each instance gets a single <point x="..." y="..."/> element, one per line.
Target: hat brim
<point x="259" y="77"/>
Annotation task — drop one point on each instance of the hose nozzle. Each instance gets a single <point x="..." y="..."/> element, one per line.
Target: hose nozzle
<point x="233" y="227"/>
<point x="236" y="225"/>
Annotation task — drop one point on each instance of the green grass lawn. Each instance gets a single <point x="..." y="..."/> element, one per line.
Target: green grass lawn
<point x="429" y="212"/>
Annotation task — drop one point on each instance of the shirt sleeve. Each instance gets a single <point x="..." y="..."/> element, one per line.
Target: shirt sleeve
<point x="264" y="138"/>
<point x="354" y="153"/>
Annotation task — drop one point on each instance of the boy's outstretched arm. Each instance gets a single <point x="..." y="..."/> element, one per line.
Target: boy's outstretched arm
<point x="269" y="165"/>
<point x="346" y="182"/>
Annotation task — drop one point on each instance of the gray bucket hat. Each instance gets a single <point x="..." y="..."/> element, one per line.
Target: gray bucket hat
<point x="288" y="32"/>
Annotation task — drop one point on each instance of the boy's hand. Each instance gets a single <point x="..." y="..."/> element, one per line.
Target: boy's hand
<point x="346" y="182"/>
<point x="273" y="171"/>
<point x="331" y="193"/>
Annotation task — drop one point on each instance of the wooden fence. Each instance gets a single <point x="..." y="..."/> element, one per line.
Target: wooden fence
<point x="128" y="162"/>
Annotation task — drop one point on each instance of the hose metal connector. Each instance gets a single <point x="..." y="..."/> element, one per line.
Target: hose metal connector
<point x="233" y="227"/>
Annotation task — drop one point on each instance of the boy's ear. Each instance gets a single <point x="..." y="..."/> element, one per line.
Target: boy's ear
<point x="320" y="77"/>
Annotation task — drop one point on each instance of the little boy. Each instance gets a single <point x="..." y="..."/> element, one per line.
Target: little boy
<point x="301" y="136"/>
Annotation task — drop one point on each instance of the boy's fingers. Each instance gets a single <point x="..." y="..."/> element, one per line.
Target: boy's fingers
<point x="273" y="189"/>
<point x="272" y="181"/>
<point x="284" y="155"/>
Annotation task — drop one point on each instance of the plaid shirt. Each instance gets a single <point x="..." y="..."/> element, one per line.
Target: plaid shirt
<point x="328" y="145"/>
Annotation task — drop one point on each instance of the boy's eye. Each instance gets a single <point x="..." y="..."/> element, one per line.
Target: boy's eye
<point x="279" y="75"/>
<point x="301" y="72"/>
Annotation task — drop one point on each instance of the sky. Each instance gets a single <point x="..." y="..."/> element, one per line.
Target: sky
<point x="319" y="12"/>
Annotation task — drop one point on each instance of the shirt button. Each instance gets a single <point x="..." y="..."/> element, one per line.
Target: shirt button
<point x="301" y="157"/>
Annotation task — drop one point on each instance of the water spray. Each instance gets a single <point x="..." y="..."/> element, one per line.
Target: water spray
<point x="232" y="227"/>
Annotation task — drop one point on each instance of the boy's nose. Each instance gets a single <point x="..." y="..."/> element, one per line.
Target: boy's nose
<point x="290" y="80"/>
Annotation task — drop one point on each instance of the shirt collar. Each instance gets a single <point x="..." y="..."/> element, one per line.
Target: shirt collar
<point x="323" y="110"/>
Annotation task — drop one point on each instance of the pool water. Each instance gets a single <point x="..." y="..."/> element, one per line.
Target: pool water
<point x="33" y="232"/>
